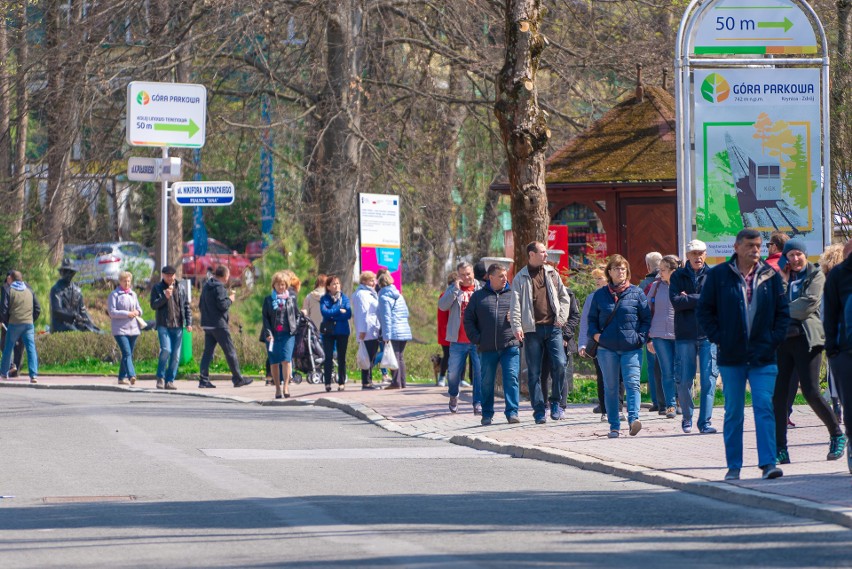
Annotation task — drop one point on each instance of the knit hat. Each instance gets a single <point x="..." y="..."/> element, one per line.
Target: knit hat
<point x="794" y="244"/>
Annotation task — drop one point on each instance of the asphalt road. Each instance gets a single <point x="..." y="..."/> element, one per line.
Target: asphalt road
<point x="103" y="479"/>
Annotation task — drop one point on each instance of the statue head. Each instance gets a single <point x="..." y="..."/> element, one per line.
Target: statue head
<point x="67" y="270"/>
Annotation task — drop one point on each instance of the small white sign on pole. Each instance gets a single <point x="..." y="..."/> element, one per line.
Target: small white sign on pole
<point x="203" y="193"/>
<point x="166" y="114"/>
<point x="154" y="169"/>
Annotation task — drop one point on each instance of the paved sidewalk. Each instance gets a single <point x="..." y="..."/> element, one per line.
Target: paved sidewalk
<point x="661" y="453"/>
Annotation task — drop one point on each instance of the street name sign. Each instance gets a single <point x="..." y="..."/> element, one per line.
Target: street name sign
<point x="203" y="193"/>
<point x="166" y="114"/>
<point x="154" y="169"/>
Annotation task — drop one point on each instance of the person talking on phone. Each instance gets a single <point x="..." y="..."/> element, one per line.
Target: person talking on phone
<point x="169" y="301"/>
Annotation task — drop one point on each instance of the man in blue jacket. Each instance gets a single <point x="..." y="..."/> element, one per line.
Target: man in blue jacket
<point x="487" y="325"/>
<point x="744" y="311"/>
<point x="691" y="341"/>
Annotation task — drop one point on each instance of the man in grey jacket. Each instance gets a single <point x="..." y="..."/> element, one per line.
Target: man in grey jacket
<point x="455" y="300"/>
<point x="540" y="307"/>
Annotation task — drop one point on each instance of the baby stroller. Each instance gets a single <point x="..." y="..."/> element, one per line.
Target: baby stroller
<point x="307" y="354"/>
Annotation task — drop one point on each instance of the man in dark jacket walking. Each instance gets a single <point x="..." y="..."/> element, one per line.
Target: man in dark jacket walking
<point x="691" y="341"/>
<point x="214" y="304"/>
<point x="487" y="325"/>
<point x="744" y="311"/>
<point x="171" y="304"/>
<point x="837" y="320"/>
<point x="19" y="309"/>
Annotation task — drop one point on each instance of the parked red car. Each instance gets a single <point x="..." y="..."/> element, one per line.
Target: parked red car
<point x="218" y="253"/>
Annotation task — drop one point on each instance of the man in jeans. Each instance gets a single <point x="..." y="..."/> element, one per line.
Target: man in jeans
<point x="691" y="341"/>
<point x="486" y="322"/>
<point x="540" y="306"/>
<point x="215" y="302"/>
<point x="744" y="310"/>
<point x="454" y="300"/>
<point x="19" y="309"/>
<point x="171" y="304"/>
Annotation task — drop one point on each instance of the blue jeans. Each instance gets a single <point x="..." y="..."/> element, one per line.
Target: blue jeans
<point x="126" y="344"/>
<point x="545" y="337"/>
<point x="170" y="341"/>
<point x="455" y="369"/>
<point x="686" y="352"/>
<point x="26" y="333"/>
<point x="510" y="362"/>
<point x="762" y="382"/>
<point x="629" y="363"/>
<point x="666" y="356"/>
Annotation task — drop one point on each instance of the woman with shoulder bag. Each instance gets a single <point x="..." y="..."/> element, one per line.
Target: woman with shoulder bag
<point x="662" y="334"/>
<point x="280" y="314"/>
<point x="619" y="319"/>
<point x="336" y="312"/>
<point x="124" y="308"/>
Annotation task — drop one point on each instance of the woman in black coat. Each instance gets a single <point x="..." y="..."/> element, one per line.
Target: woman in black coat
<point x="280" y="315"/>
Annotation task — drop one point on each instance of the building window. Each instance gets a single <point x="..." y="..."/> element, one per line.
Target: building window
<point x="586" y="235"/>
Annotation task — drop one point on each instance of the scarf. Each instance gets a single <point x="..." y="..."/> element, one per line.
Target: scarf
<point x="335" y="297"/>
<point x="279" y="300"/>
<point x="616" y="290"/>
<point x="18" y="285"/>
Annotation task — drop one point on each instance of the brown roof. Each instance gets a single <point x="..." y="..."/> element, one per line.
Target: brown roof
<point x="632" y="142"/>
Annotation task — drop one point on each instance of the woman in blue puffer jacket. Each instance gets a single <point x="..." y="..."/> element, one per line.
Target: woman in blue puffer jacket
<point x="336" y="313"/>
<point x="620" y="337"/>
<point x="393" y="316"/>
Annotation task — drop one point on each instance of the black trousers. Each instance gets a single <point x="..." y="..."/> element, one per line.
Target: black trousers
<point x="329" y="341"/>
<point x="222" y="337"/>
<point x="794" y="354"/>
<point x="445" y="361"/>
<point x="841" y="367"/>
<point x="372" y="349"/>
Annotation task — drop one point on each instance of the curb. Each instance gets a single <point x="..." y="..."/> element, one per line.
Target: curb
<point x="121" y="388"/>
<point x="368" y="414"/>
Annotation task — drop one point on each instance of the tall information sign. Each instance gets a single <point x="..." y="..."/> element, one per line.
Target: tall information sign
<point x="752" y="123"/>
<point x="381" y="246"/>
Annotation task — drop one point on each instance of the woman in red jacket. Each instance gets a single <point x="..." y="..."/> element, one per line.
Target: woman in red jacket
<point x="443" y="316"/>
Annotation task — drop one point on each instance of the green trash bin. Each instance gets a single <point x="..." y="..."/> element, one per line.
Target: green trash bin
<point x="186" y="348"/>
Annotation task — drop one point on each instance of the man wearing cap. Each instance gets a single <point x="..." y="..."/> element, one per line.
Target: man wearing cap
<point x="802" y="349"/>
<point x="685" y="288"/>
<point x="67" y="310"/>
<point x="170" y="302"/>
<point x="743" y="309"/>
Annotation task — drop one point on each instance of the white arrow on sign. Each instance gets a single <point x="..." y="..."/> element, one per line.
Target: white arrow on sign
<point x="203" y="193"/>
<point x="166" y="114"/>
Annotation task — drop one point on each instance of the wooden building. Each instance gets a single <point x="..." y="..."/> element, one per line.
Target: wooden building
<point x="615" y="184"/>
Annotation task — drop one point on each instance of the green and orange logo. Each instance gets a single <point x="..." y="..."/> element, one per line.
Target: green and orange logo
<point x="715" y="89"/>
<point x="142" y="98"/>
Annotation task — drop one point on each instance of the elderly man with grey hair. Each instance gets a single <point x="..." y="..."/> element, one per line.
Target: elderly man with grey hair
<point x="455" y="300"/>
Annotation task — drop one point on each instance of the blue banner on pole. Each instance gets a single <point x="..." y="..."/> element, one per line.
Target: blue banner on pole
<point x="267" y="180"/>
<point x="199" y="230"/>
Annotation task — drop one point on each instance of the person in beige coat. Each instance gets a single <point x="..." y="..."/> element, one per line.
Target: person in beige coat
<point x="311" y="304"/>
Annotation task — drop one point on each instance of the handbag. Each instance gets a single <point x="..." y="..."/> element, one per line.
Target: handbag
<point x="592" y="348"/>
<point x="389" y="360"/>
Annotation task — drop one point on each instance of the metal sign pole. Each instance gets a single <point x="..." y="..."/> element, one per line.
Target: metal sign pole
<point x="164" y="217"/>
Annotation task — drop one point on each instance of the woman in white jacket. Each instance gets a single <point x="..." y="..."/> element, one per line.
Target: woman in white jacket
<point x="365" y="303"/>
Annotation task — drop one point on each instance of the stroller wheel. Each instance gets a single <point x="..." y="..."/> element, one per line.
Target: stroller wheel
<point x="315" y="377"/>
<point x="297" y="378"/>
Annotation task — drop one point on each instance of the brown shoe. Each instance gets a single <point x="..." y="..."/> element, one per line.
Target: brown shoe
<point x="123" y="382"/>
<point x="170" y="386"/>
<point x="161" y="383"/>
<point x="33" y="380"/>
<point x="133" y="380"/>
<point x="392" y="386"/>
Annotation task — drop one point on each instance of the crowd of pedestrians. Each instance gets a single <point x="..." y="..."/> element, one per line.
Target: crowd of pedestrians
<point x="758" y="322"/>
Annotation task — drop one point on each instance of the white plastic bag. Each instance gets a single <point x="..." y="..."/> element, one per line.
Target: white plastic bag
<point x="363" y="359"/>
<point x="389" y="358"/>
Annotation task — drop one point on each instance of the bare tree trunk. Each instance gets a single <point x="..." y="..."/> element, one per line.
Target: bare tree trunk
<point x="5" y="113"/>
<point x="439" y="208"/>
<point x="334" y="164"/>
<point x="486" y="228"/>
<point x="841" y="114"/>
<point x="523" y="125"/>
<point x="59" y="132"/>
<point x="18" y="197"/>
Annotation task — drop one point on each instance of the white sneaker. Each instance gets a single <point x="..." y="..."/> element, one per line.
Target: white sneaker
<point x="465" y="384"/>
